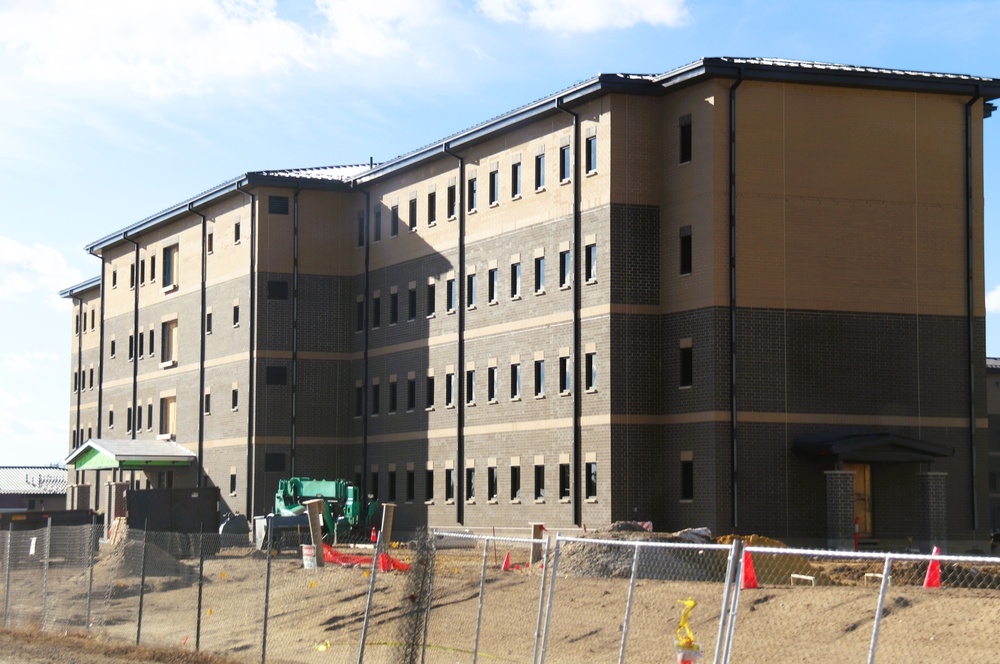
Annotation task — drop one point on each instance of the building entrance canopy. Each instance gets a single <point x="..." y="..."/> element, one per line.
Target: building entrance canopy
<point x="129" y="455"/>
<point x="869" y="447"/>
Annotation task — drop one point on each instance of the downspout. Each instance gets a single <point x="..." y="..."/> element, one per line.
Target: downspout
<point x="201" y="341"/>
<point x="733" y="433"/>
<point x="970" y="296"/>
<point x="577" y="385"/>
<point x="295" y="326"/>
<point x="460" y="369"/>
<point x="364" y="367"/>
<point x="134" y="277"/>
<point x="253" y="327"/>
<point x="100" y="364"/>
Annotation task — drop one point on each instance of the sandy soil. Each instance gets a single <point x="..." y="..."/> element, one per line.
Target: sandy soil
<point x="317" y="615"/>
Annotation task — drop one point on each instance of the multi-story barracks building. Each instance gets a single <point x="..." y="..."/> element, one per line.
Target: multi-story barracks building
<point x="745" y="294"/>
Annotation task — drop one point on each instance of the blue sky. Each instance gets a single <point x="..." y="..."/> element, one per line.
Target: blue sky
<point x="111" y="111"/>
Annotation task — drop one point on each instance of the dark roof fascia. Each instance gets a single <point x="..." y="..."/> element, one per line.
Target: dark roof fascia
<point x="230" y="188"/>
<point x="82" y="287"/>
<point x="832" y="75"/>
<point x="600" y="85"/>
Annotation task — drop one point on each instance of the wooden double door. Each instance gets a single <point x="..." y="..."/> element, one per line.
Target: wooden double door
<point x="862" y="496"/>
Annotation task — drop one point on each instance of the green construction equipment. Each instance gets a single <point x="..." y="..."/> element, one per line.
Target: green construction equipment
<point x="343" y="509"/>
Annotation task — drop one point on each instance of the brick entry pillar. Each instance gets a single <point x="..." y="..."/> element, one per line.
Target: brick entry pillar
<point x="932" y="517"/>
<point x="840" y="510"/>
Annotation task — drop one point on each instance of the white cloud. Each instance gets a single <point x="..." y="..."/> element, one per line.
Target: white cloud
<point x="586" y="15"/>
<point x="27" y="438"/>
<point x="993" y="301"/>
<point x="29" y="360"/>
<point x="35" y="271"/>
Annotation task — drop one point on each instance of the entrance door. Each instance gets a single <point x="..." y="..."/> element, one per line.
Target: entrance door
<point x="862" y="496"/>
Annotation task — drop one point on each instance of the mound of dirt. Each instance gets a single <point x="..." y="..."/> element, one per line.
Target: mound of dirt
<point x="127" y="560"/>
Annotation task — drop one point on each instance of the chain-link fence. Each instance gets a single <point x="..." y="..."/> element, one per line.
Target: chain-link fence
<point x="461" y="597"/>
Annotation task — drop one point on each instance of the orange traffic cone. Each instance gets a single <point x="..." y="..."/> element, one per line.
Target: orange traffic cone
<point x="374" y="535"/>
<point x="749" y="575"/>
<point x="933" y="578"/>
<point x="506" y="563"/>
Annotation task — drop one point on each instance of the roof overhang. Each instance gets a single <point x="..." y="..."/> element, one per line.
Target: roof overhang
<point x="129" y="455"/>
<point x="869" y="447"/>
<point x="82" y="287"/>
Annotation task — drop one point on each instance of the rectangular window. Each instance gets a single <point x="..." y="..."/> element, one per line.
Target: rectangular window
<point x="76" y="381"/>
<point x="590" y="373"/>
<point x="232" y="484"/>
<point x="685" y="139"/>
<point x="170" y="267"/>
<point x="470" y="387"/>
<point x="359" y="322"/>
<point x="207" y="403"/>
<point x="128" y="421"/>
<point x="515" y="381"/>
<point x="410" y="489"/>
<point x="168" y="342"/>
<point x="394" y="221"/>
<point x="493" y="285"/>
<point x="491" y="483"/>
<point x="472" y="194"/>
<point x="393" y="308"/>
<point x="590" y="154"/>
<point x="565" y="269"/>
<point x="590" y="472"/>
<point x="236" y="233"/>
<point x="114" y="278"/>
<point x="152" y="269"/>
<point x="491" y="384"/>
<point x="152" y="346"/>
<point x="91" y="374"/>
<point x="432" y="211"/>
<point x="142" y="272"/>
<point x="376" y="312"/>
<point x="539" y="378"/>
<point x="393" y="396"/>
<point x="131" y="284"/>
<point x="564" y="163"/>
<point x="685" y="250"/>
<point x="112" y="348"/>
<point x="515" y="483"/>
<point x="138" y="420"/>
<point x="494" y="187"/>
<point x="429" y="485"/>
<point x="378" y="223"/>
<point x="236" y="399"/>
<point x="449" y="390"/>
<point x="277" y="290"/>
<point x="515" y="180"/>
<point x="375" y="398"/>
<point x="236" y="315"/>
<point x="392" y="486"/>
<point x="590" y="262"/>
<point x="277" y="204"/>
<point x="539" y="171"/>
<point x="209" y="243"/>
<point x="539" y="481"/>
<point x="687" y="479"/>
<point x="149" y="416"/>
<point x="470" y="484"/>
<point x="131" y="347"/>
<point x="142" y="345"/>
<point x="429" y="396"/>
<point x="168" y="416"/>
<point x="430" y="300"/>
<point x="361" y="228"/>
<point x="687" y="367"/>
<point x="111" y="419"/>
<point x="540" y="274"/>
<point x="411" y="304"/>
<point x="413" y="214"/>
<point x="565" y="378"/>
<point x="452" y="202"/>
<point x="449" y="485"/>
<point x="450" y="295"/>
<point x="374" y="485"/>
<point x="470" y="290"/>
<point x="411" y="393"/>
<point x="276" y="376"/>
<point x="359" y="401"/>
<point x="208" y="323"/>
<point x="564" y="481"/>
<point x="515" y="280"/>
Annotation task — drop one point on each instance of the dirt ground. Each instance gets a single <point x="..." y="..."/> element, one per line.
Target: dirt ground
<point x="318" y="615"/>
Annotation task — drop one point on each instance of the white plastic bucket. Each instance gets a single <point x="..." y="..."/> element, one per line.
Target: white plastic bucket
<point x="309" y="556"/>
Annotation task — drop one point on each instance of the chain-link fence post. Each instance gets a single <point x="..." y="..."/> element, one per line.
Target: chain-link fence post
<point x="727" y="603"/>
<point x="6" y="580"/>
<point x="142" y="583"/>
<point x="628" y="603"/>
<point x="482" y="589"/>
<point x="886" y="571"/>
<point x="368" y="602"/>
<point x="267" y="591"/>
<point x="727" y="651"/>
<point x="430" y="596"/>
<point x="548" y="608"/>
<point x="541" y="601"/>
<point x="45" y="569"/>
<point x="201" y="584"/>
<point x="90" y="566"/>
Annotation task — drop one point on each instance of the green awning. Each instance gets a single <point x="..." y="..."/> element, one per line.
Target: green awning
<point x="129" y="455"/>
